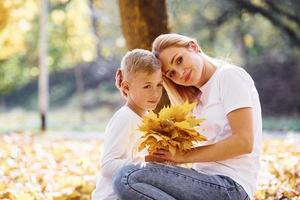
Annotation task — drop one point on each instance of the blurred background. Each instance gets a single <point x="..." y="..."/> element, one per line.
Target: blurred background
<point x="86" y="39"/>
<point x="57" y="71"/>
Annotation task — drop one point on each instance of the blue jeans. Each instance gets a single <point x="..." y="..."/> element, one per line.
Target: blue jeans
<point x="162" y="182"/>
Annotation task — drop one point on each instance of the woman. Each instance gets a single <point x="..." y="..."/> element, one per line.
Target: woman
<point x="226" y="166"/>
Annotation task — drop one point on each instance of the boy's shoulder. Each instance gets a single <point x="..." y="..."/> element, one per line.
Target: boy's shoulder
<point x="124" y="115"/>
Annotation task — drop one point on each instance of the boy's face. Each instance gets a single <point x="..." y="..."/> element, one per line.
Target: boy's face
<point x="144" y="90"/>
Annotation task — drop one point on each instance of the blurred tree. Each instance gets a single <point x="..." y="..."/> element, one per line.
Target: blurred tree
<point x="232" y="29"/>
<point x="141" y="22"/>
<point x="5" y="12"/>
<point x="95" y="16"/>
<point x="14" y="19"/>
<point x="246" y="37"/>
<point x="11" y="19"/>
<point x="282" y="14"/>
<point x="43" y="76"/>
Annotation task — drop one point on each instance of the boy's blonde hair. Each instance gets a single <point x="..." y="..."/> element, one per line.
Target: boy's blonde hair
<point x="177" y="93"/>
<point x="139" y="60"/>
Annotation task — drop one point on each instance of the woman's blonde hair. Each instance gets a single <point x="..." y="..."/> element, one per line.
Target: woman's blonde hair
<point x="177" y="93"/>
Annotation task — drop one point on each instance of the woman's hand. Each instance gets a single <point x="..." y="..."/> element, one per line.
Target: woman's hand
<point x="163" y="155"/>
<point x="151" y="158"/>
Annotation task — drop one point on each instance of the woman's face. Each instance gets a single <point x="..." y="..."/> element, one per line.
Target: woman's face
<point x="183" y="65"/>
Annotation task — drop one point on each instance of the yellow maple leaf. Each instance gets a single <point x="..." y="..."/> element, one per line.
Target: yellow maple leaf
<point x="173" y="128"/>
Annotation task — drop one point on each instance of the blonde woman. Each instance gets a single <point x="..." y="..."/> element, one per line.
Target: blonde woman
<point x="226" y="166"/>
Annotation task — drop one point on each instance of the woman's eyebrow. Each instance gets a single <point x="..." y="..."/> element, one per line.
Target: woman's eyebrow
<point x="172" y="60"/>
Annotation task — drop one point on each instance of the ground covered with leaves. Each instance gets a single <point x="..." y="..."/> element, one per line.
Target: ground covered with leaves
<point x="61" y="167"/>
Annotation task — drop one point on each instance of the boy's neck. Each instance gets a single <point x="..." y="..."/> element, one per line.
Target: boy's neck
<point x="140" y="112"/>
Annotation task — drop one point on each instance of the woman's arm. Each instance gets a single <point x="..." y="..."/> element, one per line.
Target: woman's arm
<point x="240" y="142"/>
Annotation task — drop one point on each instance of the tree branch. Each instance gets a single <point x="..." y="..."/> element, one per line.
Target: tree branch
<point x="273" y="6"/>
<point x="59" y="5"/>
<point x="276" y="21"/>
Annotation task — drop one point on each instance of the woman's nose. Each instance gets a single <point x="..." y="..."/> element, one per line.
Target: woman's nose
<point x="182" y="73"/>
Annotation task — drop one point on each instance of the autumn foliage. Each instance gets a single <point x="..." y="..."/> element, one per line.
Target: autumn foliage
<point x="174" y="128"/>
<point x="64" y="168"/>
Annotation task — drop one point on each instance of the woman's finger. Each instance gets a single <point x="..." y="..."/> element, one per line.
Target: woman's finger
<point x="151" y="158"/>
<point x="162" y="151"/>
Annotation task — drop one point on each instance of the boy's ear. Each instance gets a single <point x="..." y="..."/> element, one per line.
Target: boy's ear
<point x="125" y="87"/>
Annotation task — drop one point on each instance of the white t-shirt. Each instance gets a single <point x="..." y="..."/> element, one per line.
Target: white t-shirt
<point x="230" y="88"/>
<point x="121" y="138"/>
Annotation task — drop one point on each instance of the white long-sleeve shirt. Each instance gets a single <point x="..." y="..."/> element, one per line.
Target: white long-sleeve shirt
<point x="121" y="138"/>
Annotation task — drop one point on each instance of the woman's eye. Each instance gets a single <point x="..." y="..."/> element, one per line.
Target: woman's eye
<point x="160" y="85"/>
<point x="179" y="60"/>
<point x="147" y="86"/>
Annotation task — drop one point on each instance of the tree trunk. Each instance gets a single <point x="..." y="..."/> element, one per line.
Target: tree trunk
<point x="80" y="92"/>
<point x="95" y="28"/>
<point x="43" y="76"/>
<point x="141" y="22"/>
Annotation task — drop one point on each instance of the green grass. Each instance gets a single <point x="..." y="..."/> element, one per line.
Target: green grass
<point x="58" y="120"/>
<point x="68" y="119"/>
<point x="287" y="123"/>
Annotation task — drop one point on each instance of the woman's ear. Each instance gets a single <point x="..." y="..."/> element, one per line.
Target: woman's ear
<point x="194" y="46"/>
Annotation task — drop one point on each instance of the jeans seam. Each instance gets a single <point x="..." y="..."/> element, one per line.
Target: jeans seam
<point x="246" y="198"/>
<point x="235" y="187"/>
<point x="134" y="190"/>
<point x="198" y="180"/>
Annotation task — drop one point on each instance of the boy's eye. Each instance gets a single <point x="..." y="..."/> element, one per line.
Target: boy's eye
<point x="160" y="85"/>
<point x="147" y="86"/>
<point x="179" y="60"/>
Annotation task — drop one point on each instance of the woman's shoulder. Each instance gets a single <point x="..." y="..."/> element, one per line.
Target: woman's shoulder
<point x="228" y="70"/>
<point x="232" y="74"/>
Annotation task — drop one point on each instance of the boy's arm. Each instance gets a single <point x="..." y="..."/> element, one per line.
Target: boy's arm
<point x="116" y="146"/>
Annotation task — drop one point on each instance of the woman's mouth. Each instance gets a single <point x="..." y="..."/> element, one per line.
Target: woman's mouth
<point x="152" y="102"/>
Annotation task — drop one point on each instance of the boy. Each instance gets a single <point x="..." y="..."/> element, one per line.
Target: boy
<point x="141" y="85"/>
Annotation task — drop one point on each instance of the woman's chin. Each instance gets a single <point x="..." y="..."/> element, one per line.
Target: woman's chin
<point x="189" y="83"/>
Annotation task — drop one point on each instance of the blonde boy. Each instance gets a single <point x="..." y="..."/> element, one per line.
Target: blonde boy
<point x="141" y="85"/>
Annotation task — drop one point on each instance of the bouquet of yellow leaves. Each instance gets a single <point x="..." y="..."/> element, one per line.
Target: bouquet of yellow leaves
<point x="173" y="128"/>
